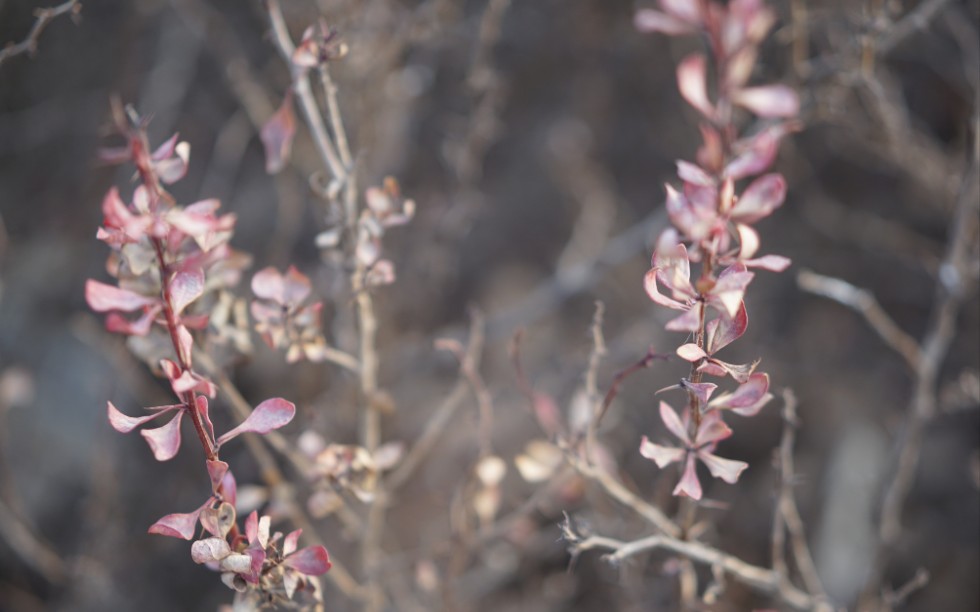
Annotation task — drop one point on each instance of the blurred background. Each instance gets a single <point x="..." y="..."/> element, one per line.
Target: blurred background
<point x="535" y="138"/>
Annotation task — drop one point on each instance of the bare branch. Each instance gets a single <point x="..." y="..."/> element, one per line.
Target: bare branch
<point x="42" y="17"/>
<point x="865" y="304"/>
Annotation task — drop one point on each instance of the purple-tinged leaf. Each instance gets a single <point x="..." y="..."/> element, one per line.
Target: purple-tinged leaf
<point x="252" y="526"/>
<point x="672" y="421"/>
<point x="277" y="135"/>
<point x="229" y="489"/>
<point x="702" y="391"/>
<point x="116" y="323"/>
<point x="185" y="287"/>
<point x="730" y="288"/>
<point x="185" y="341"/>
<point x="689" y="484"/>
<point x="724" y="330"/>
<point x="216" y="471"/>
<point x="760" y="199"/>
<point x="739" y="371"/>
<point x="310" y="561"/>
<point x="165" y="150"/>
<point x="769" y="100"/>
<point x="271" y="414"/>
<point x="687" y="322"/>
<point x="727" y="469"/>
<point x="713" y="429"/>
<point x="202" y="409"/>
<point x="661" y="455"/>
<point x="164" y="441"/>
<point x="773" y="263"/>
<point x="103" y="298"/>
<point x="650" y="285"/>
<point x="209" y="550"/>
<point x="748" y="241"/>
<point x="692" y="82"/>
<point x="174" y="168"/>
<point x="649" y="20"/>
<point x="296" y="286"/>
<point x="748" y="399"/>
<point x="179" y="525"/>
<point x="756" y="155"/>
<point x="687" y="10"/>
<point x="291" y="542"/>
<point x="125" y="424"/>
<point x="692" y="173"/>
<point x="218" y="521"/>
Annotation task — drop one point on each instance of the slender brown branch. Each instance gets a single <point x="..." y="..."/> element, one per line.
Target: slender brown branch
<point x="42" y="18"/>
<point x="864" y="303"/>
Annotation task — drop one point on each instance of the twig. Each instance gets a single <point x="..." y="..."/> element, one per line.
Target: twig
<point x="42" y="17"/>
<point x="643" y="363"/>
<point x="864" y="302"/>
<point x="951" y="291"/>
<point x="761" y="579"/>
<point x="787" y="516"/>
<point x="301" y="85"/>
<point x="620" y="493"/>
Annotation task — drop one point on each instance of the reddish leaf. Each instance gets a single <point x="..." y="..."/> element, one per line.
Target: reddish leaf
<point x="692" y="82"/>
<point x="661" y="455"/>
<point x="164" y="441"/>
<point x="311" y="561"/>
<point x="289" y="544"/>
<point x="179" y="525"/>
<point x="724" y="330"/>
<point x="216" y="471"/>
<point x="271" y="414"/>
<point x="760" y="198"/>
<point x="103" y="298"/>
<point x="689" y="484"/>
<point x="125" y="424"/>
<point x="277" y="136"/>
<point x="726" y="469"/>
<point x="672" y="421"/>
<point x="185" y="287"/>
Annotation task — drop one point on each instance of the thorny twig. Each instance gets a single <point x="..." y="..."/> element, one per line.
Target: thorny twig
<point x="42" y="17"/>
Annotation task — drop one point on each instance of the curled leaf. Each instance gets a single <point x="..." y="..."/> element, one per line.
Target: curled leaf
<point x="271" y="414"/>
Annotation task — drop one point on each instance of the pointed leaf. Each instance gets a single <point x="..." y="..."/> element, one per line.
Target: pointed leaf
<point x="672" y="421"/>
<point x="103" y="298"/>
<point x="689" y="484"/>
<point x="649" y="20"/>
<point x="661" y="455"/>
<point x="692" y="82"/>
<point x="727" y="469"/>
<point x="769" y="100"/>
<point x="277" y="136"/>
<point x="185" y="287"/>
<point x="311" y="561"/>
<point x="271" y="414"/>
<point x="125" y="424"/>
<point x="760" y="198"/>
<point x="179" y="525"/>
<point x="164" y="441"/>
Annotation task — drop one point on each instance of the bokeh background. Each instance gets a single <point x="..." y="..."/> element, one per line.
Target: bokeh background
<point x="536" y="138"/>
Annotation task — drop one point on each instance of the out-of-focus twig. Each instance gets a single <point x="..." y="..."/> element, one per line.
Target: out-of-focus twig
<point x="42" y="17"/>
<point x="31" y="550"/>
<point x="787" y="516"/>
<point x="864" y="302"/>
<point x="759" y="578"/>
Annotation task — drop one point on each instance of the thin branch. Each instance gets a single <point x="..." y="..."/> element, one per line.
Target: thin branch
<point x="307" y="101"/>
<point x="760" y="579"/>
<point x="787" y="516"/>
<point x="620" y="493"/>
<point x="865" y="304"/>
<point x="42" y="17"/>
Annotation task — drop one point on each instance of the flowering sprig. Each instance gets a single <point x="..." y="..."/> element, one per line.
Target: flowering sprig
<point x="713" y="222"/>
<point x="165" y="258"/>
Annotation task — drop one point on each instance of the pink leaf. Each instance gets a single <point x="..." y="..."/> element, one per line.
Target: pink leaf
<point x="164" y="441"/>
<point x="216" y="471"/>
<point x="725" y="330"/>
<point x="116" y="323"/>
<point x="687" y="322"/>
<point x="267" y="284"/>
<point x="687" y="10"/>
<point x="311" y="561"/>
<point x="760" y="198"/>
<point x="661" y="455"/>
<point x="692" y="82"/>
<point x="748" y="399"/>
<point x="727" y="469"/>
<point x="748" y="241"/>
<point x="202" y="409"/>
<point x="103" y="298"/>
<point x="289" y="544"/>
<point x="713" y="429"/>
<point x="691" y="173"/>
<point x="125" y="424"/>
<point x="271" y="414"/>
<point x="702" y="391"/>
<point x="179" y="525"/>
<point x="649" y="20"/>
<point x="773" y="263"/>
<point x="165" y="150"/>
<point x="173" y="169"/>
<point x="689" y="484"/>
<point x="672" y="421"/>
<point x="769" y="101"/>
<point x="277" y="135"/>
<point x="296" y="286"/>
<point x="185" y="287"/>
<point x="209" y="550"/>
<point x="252" y="526"/>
